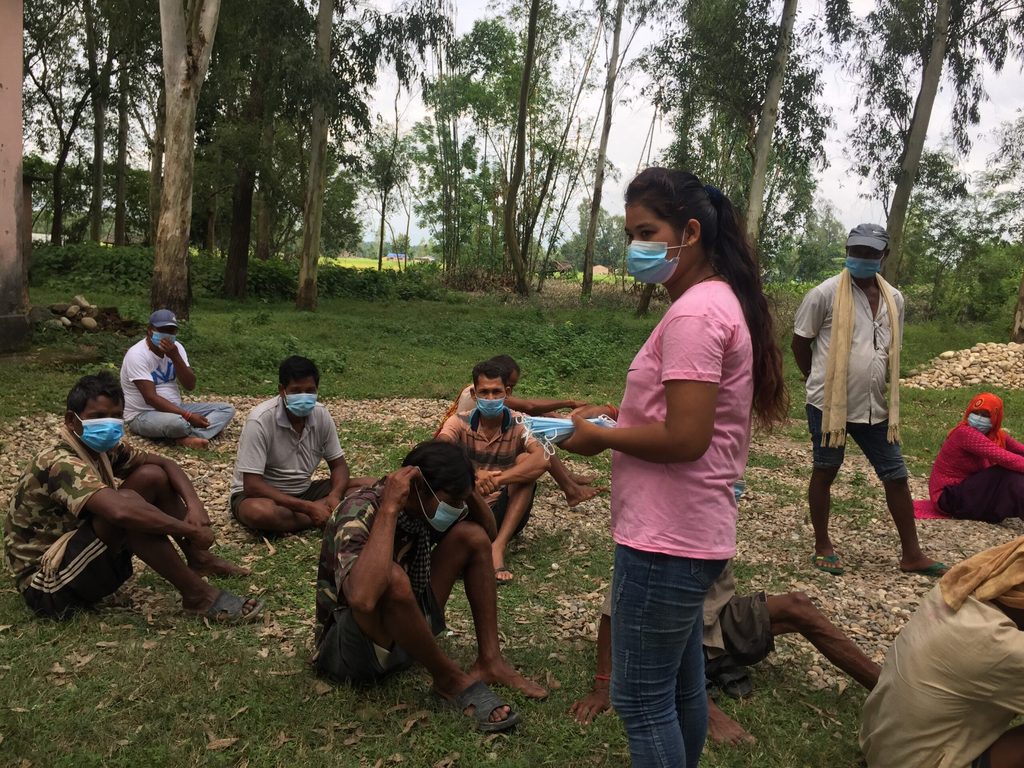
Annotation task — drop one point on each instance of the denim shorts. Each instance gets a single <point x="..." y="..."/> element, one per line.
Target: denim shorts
<point x="884" y="456"/>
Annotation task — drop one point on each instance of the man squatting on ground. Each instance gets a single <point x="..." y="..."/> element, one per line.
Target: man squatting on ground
<point x="282" y="443"/>
<point x="391" y="554"/>
<point x="150" y="373"/>
<point x="950" y="685"/>
<point x="507" y="467"/>
<point x="72" y="529"/>
<point x="743" y="627"/>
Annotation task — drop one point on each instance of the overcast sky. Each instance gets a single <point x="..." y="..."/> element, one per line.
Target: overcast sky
<point x="837" y="183"/>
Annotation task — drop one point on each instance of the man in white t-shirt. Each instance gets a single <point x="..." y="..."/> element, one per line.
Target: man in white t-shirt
<point x="150" y="375"/>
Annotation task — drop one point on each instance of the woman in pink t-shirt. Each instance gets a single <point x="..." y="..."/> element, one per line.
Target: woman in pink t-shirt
<point x="681" y="443"/>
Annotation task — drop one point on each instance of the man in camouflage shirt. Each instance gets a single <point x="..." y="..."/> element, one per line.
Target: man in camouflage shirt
<point x="390" y="557"/>
<point x="71" y="530"/>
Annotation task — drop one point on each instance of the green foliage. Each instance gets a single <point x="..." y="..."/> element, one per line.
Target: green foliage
<point x="89" y="266"/>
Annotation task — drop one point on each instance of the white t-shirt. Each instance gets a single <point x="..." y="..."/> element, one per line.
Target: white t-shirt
<point x="142" y="364"/>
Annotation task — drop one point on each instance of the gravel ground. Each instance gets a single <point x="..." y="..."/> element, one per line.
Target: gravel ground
<point x="870" y="602"/>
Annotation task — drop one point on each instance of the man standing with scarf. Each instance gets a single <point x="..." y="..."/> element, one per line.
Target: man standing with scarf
<point x="846" y="341"/>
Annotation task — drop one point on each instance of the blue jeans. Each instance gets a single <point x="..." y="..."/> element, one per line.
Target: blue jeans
<point x="657" y="659"/>
<point x="159" y="425"/>
<point x="884" y="456"/>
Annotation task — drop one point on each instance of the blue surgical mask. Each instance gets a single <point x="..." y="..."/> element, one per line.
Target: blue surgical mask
<point x="445" y="516"/>
<point x="549" y="431"/>
<point x="646" y="262"/>
<point x="981" y="423"/>
<point x="158" y="337"/>
<point x="863" y="268"/>
<point x="490" y="408"/>
<point x="101" y="434"/>
<point x="300" y="404"/>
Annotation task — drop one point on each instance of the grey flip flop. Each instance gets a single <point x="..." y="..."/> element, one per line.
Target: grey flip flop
<point x="484" y="701"/>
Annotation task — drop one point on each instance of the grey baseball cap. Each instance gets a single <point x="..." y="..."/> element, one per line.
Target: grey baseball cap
<point x="162" y="318"/>
<point x="871" y="235"/>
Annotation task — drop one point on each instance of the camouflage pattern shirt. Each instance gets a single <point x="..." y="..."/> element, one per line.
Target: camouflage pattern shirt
<point x="345" y="535"/>
<point x="49" y="500"/>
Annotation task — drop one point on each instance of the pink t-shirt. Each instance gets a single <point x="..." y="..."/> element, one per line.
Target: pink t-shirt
<point x="687" y="509"/>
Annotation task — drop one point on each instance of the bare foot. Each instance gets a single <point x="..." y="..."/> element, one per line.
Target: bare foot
<point x="591" y="705"/>
<point x="722" y="729"/>
<point x="196" y="443"/>
<point x="577" y="494"/>
<point x="923" y="565"/>
<point x="448" y="693"/>
<point x="206" y="563"/>
<point x="500" y="672"/>
<point x="582" y="479"/>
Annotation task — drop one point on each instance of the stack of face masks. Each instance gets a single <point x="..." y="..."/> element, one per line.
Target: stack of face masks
<point x="550" y="431"/>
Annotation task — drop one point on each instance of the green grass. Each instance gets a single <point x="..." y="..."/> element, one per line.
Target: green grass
<point x="148" y="687"/>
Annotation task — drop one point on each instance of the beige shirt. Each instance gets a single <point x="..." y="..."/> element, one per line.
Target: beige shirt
<point x="866" y="389"/>
<point x="269" y="446"/>
<point x="949" y="687"/>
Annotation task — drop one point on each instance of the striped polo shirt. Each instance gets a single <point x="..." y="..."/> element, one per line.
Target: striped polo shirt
<point x="492" y="452"/>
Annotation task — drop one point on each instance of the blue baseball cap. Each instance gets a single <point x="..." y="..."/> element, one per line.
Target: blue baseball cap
<point x="162" y="318"/>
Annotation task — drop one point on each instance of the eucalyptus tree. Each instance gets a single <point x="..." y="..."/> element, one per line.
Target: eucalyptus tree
<point x="386" y="168"/>
<point x="905" y="47"/>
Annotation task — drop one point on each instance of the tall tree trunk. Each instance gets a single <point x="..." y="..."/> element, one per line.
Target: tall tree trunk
<point x="645" y="300"/>
<point x="380" y="243"/>
<point x="99" y="84"/>
<point x="186" y="54"/>
<point x="57" y="225"/>
<point x="263" y="210"/>
<point x="602" y="151"/>
<point x="236" y="269"/>
<point x="1017" y="332"/>
<point x="120" y="177"/>
<point x="512" y="243"/>
<point x="263" y="226"/>
<point x="766" y="125"/>
<point x="312" y="210"/>
<point x="156" y="168"/>
<point x="915" y="140"/>
<point x="212" y="210"/>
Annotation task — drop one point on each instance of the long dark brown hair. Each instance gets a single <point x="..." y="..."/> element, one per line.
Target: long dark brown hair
<point x="677" y="197"/>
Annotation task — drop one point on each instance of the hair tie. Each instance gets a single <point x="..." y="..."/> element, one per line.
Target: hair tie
<point x="714" y="194"/>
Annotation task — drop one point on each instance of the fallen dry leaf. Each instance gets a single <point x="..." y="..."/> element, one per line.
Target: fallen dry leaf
<point x="107" y="644"/>
<point x="448" y="761"/>
<point x="552" y="681"/>
<point x="149" y="645"/>
<point x="57" y="669"/>
<point x="218" y="744"/>
<point x="238" y="712"/>
<point x="271" y="550"/>
<point x="320" y="688"/>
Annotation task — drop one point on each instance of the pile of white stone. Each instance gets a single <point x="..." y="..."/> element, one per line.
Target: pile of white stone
<point x="78" y="314"/>
<point x="987" y="364"/>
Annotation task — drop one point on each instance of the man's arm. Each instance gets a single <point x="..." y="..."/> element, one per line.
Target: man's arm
<point x="182" y="371"/>
<point x="540" y="406"/>
<point x="481" y="514"/>
<point x="802" y="354"/>
<point x="339" y="480"/>
<point x="370" y="576"/>
<point x="526" y="470"/>
<point x="127" y="510"/>
<point x="148" y="391"/>
<point x="182" y="486"/>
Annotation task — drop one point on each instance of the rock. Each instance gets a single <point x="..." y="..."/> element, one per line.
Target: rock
<point x="54" y="322"/>
<point x="82" y="302"/>
<point x="64" y="321"/>
<point x="72" y="311"/>
<point x="947" y="355"/>
<point x="983" y="365"/>
<point x="59" y="309"/>
<point x="89" y="323"/>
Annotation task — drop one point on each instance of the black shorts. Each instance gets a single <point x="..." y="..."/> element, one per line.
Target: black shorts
<point x="88" y="572"/>
<point x="348" y="655"/>
<point x="500" y="506"/>
<point x="318" y="489"/>
<point x="747" y="628"/>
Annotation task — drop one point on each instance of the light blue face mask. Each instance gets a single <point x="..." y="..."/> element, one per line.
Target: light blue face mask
<point x="158" y="337"/>
<point x="101" y="434"/>
<point x="445" y="516"/>
<point x="981" y="423"/>
<point x="863" y="268"/>
<point x="646" y="262"/>
<point x="490" y="408"/>
<point x="550" y="431"/>
<point x="300" y="404"/>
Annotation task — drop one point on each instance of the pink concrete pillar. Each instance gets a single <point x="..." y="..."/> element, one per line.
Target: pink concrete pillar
<point x="14" y="328"/>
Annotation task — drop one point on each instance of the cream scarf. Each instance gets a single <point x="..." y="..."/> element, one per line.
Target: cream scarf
<point x="50" y="562"/>
<point x="833" y="424"/>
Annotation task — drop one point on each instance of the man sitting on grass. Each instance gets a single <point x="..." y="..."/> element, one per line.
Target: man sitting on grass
<point x="577" y="488"/>
<point x="743" y="627"/>
<point x="150" y="374"/>
<point x="506" y="466"/>
<point x="950" y="686"/>
<point x="391" y="554"/>
<point x="72" y="529"/>
<point x="283" y="442"/>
